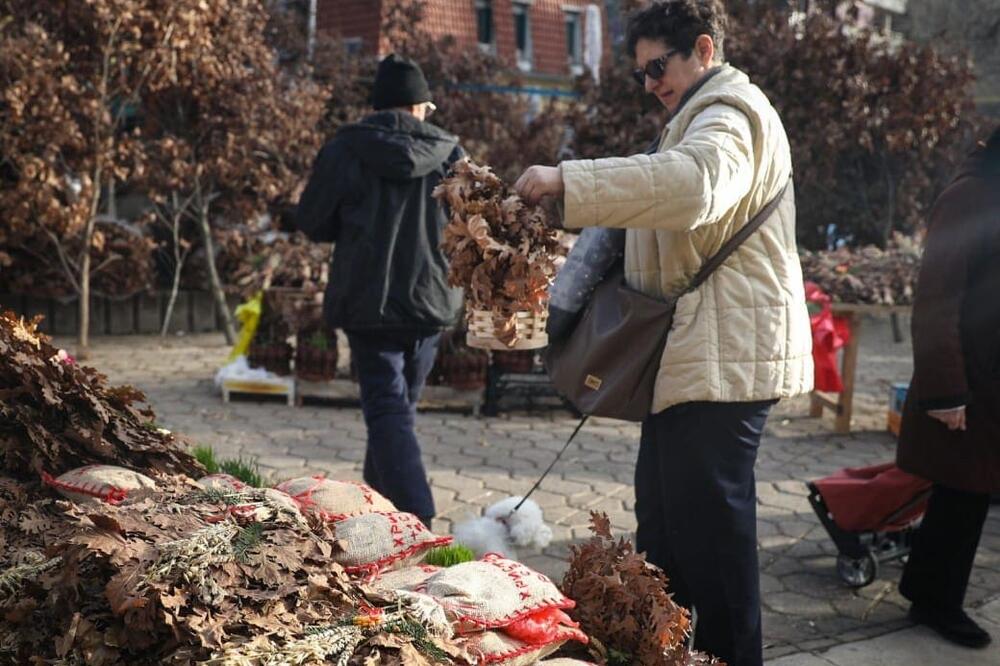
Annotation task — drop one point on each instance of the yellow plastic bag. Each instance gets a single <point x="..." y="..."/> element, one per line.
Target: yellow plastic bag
<point x="248" y="313"/>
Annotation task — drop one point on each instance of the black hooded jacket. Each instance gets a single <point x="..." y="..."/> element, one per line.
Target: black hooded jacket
<point x="370" y="194"/>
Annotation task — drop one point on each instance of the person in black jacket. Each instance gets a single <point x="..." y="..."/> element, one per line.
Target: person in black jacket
<point x="370" y="194"/>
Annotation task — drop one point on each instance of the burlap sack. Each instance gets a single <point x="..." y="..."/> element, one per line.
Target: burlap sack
<point x="221" y="482"/>
<point x="492" y="593"/>
<point x="269" y="505"/>
<point x="108" y="483"/>
<point x="376" y="542"/>
<point x="407" y="578"/>
<point x="334" y="500"/>
<point x="493" y="647"/>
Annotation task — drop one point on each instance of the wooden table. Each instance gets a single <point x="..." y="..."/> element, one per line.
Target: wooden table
<point x="283" y="386"/>
<point x="841" y="404"/>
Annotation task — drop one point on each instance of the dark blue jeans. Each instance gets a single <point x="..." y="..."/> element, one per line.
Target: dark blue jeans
<point x="695" y="504"/>
<point x="392" y="369"/>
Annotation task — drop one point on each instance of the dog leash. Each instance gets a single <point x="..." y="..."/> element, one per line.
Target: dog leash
<point x="553" y="463"/>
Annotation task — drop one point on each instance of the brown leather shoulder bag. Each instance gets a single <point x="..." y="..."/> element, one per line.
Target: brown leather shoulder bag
<point x="607" y="365"/>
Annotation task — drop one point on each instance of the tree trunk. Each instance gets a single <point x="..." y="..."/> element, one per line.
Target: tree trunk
<point x="168" y="315"/>
<point x="179" y="259"/>
<point x="83" y="335"/>
<point x="111" y="207"/>
<point x="220" y="296"/>
<point x="311" y="31"/>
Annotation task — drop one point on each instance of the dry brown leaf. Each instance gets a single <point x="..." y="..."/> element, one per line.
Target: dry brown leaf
<point x="123" y="592"/>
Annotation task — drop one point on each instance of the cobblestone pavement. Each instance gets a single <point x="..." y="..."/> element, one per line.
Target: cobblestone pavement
<point x="473" y="462"/>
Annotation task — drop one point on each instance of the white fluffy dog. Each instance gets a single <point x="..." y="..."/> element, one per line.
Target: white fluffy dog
<point x="502" y="528"/>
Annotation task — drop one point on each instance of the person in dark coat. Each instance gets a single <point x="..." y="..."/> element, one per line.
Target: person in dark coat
<point x="370" y="194"/>
<point x="951" y="420"/>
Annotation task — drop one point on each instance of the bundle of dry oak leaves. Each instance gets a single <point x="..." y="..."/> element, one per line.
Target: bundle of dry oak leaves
<point x="501" y="251"/>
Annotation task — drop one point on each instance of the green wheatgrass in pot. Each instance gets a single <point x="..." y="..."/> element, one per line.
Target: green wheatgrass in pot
<point x="448" y="556"/>
<point x="246" y="470"/>
<point x="206" y="456"/>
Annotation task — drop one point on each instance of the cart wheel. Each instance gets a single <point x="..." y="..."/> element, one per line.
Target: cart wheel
<point x="857" y="572"/>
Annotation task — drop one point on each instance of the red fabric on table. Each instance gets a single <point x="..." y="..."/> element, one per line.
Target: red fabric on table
<point x="829" y="335"/>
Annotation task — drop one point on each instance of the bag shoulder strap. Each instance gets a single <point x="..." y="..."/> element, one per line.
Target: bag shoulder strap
<point x="720" y="257"/>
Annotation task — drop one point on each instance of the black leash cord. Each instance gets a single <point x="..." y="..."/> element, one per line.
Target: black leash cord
<point x="553" y="463"/>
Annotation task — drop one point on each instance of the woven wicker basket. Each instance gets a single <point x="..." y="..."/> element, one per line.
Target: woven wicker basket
<point x="529" y="327"/>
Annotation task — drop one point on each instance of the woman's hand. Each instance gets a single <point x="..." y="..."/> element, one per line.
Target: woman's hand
<point x="539" y="181"/>
<point x="953" y="418"/>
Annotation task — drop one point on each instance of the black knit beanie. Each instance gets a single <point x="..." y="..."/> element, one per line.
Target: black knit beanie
<point x="399" y="82"/>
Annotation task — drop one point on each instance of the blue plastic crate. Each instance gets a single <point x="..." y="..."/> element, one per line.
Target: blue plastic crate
<point x="897" y="396"/>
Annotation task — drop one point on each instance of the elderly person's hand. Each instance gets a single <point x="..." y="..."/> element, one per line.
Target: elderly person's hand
<point x="953" y="418"/>
<point x="538" y="182"/>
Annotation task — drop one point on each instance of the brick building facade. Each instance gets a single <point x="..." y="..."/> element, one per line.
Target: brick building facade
<point x="545" y="38"/>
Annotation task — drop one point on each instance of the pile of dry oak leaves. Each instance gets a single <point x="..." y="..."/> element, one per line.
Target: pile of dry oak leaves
<point x="867" y="275"/>
<point x="112" y="553"/>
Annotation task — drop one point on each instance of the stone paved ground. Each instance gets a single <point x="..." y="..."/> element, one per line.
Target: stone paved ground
<point x="473" y="462"/>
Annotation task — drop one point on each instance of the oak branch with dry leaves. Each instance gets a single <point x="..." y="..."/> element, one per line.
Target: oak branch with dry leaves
<point x="624" y="603"/>
<point x="501" y="251"/>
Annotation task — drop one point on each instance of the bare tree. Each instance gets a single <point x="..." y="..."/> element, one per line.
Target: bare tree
<point x="231" y="134"/>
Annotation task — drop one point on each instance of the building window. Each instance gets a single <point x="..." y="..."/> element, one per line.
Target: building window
<point x="574" y="40"/>
<point x="522" y="34"/>
<point x="353" y="45"/>
<point x="484" y="25"/>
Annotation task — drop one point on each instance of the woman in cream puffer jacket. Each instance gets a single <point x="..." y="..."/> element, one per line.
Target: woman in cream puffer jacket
<point x="738" y="343"/>
<point x="744" y="335"/>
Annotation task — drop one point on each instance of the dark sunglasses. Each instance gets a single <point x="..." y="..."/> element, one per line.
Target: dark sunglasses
<point x="654" y="69"/>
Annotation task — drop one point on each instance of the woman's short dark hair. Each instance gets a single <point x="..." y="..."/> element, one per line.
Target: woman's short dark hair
<point x="678" y="24"/>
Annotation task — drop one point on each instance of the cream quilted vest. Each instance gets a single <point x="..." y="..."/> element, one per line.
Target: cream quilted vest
<point x="744" y="334"/>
